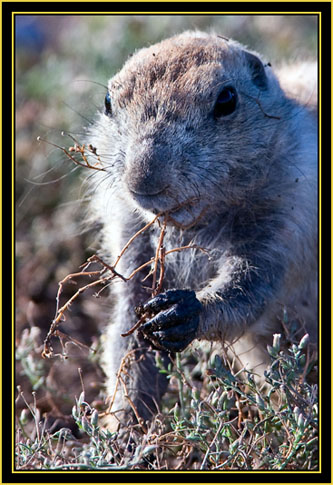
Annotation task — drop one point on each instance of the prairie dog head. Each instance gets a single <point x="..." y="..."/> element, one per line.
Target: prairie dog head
<point x="188" y="125"/>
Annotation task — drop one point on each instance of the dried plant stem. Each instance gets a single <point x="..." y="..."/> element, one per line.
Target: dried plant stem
<point x="48" y="351"/>
<point x="137" y="325"/>
<point x="122" y="370"/>
<point x="78" y="148"/>
<point x="108" y="273"/>
<point x="162" y="271"/>
<point x="144" y="265"/>
<point x="68" y="278"/>
<point x="189" y="246"/>
<point x="135" y="236"/>
<point x="135" y="411"/>
<point x="97" y="259"/>
<point x="159" y="257"/>
<point x="211" y="445"/>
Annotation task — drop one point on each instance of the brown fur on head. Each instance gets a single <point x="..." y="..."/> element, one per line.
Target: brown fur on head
<point x="168" y="92"/>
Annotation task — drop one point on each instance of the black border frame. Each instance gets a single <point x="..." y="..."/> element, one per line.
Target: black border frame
<point x="86" y="8"/>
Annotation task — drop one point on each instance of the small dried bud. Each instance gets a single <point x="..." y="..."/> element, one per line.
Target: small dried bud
<point x="24" y="417"/>
<point x="176" y="412"/>
<point x="81" y="398"/>
<point x="215" y="399"/>
<point x="272" y="351"/>
<point x="75" y="413"/>
<point x="301" y="422"/>
<point x="85" y="425"/>
<point x="94" y="418"/>
<point x="296" y="412"/>
<point x="304" y="342"/>
<point x="276" y="341"/>
<point x="223" y="399"/>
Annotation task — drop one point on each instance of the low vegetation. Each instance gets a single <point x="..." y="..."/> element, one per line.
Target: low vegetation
<point x="215" y="420"/>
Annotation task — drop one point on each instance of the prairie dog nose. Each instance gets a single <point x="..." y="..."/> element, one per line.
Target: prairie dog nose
<point x="146" y="169"/>
<point x="148" y="183"/>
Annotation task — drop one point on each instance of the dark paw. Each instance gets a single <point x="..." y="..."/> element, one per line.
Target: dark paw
<point x="174" y="321"/>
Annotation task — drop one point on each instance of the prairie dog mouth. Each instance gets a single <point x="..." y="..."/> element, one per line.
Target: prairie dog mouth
<point x="183" y="215"/>
<point x="186" y="214"/>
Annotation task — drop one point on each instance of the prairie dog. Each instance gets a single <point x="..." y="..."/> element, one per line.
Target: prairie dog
<point x="199" y="127"/>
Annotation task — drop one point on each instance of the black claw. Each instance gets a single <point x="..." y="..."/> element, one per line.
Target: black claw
<point x="179" y="333"/>
<point x="169" y="297"/>
<point x="176" y="319"/>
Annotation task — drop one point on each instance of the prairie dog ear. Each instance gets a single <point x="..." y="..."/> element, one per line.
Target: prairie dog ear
<point x="257" y="70"/>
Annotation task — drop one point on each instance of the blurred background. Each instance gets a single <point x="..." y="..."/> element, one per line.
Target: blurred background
<point x="62" y="66"/>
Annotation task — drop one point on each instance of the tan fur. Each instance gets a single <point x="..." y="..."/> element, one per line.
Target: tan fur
<point x="252" y="175"/>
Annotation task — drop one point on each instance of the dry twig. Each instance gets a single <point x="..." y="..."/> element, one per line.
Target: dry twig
<point x="78" y="148"/>
<point x="108" y="273"/>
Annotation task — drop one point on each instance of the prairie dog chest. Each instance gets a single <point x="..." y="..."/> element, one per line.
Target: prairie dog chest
<point x="190" y="261"/>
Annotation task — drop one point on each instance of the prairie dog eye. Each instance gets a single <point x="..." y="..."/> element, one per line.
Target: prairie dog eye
<point x="107" y="105"/>
<point x="226" y="102"/>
